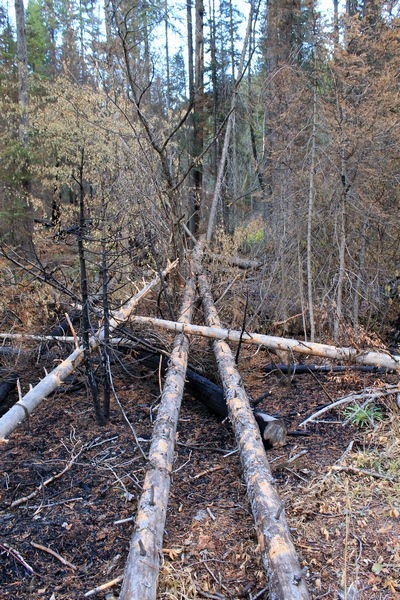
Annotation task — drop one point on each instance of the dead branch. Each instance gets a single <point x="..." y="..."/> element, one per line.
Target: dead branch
<point x="203" y="473"/>
<point x="369" y="393"/>
<point x="103" y="587"/>
<point x="363" y="472"/>
<point x="54" y="379"/>
<point x="48" y="481"/>
<point x="55" y="554"/>
<point x="14" y="553"/>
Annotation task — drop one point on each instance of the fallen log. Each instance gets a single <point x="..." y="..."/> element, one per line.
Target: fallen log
<point x="63" y="328"/>
<point x="303" y="369"/>
<point x="273" y="430"/>
<point x="24" y="407"/>
<point x="143" y="564"/>
<point x="285" y="578"/>
<point x="236" y="261"/>
<point x="7" y="385"/>
<point x="361" y="357"/>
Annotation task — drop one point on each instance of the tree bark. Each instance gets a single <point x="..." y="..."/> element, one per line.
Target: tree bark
<point x="284" y="575"/>
<point x="53" y="380"/>
<point x="141" y="572"/>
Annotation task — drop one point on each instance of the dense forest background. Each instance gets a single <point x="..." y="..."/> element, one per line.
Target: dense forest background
<point x="275" y="131"/>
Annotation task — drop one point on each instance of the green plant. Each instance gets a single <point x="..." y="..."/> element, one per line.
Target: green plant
<point x="363" y="415"/>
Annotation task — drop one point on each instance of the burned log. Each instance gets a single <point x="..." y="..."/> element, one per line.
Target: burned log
<point x="273" y="430"/>
<point x="8" y="384"/>
<point x="63" y="328"/>
<point x="303" y="369"/>
<point x="285" y="577"/>
<point x="143" y="564"/>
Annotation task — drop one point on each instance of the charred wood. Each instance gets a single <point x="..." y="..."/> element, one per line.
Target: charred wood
<point x="272" y="429"/>
<point x="8" y="384"/>
<point x="63" y="327"/>
<point x="303" y="369"/>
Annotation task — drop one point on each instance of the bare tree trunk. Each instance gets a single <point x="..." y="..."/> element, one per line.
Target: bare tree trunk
<point x="336" y="21"/>
<point x="23" y="127"/>
<point x="222" y="163"/>
<point x="285" y="578"/>
<point x="342" y="263"/>
<point x="357" y="288"/>
<point x="108" y="16"/>
<point x="86" y="333"/>
<point x="106" y="319"/>
<point x="196" y="176"/>
<point x="22" y="71"/>
<point x="167" y="69"/>
<point x="143" y="564"/>
<point x="311" y="196"/>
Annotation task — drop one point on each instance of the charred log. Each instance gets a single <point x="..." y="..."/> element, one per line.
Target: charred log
<point x="8" y="384"/>
<point x="272" y="429"/>
<point x="63" y="327"/>
<point x="303" y="369"/>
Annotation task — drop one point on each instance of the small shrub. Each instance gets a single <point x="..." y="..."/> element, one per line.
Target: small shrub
<point x="362" y="416"/>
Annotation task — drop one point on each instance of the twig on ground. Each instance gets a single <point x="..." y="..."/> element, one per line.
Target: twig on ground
<point x="260" y="593"/>
<point x="63" y="560"/>
<point x="48" y="481"/>
<point x="39" y="507"/>
<point x="125" y="416"/>
<point x="260" y="398"/>
<point x="103" y="587"/>
<point x="371" y="393"/>
<point x="208" y="471"/>
<point x="203" y="447"/>
<point x="214" y="596"/>
<point x="214" y="577"/>
<point x="15" y="554"/>
<point x="120" y="521"/>
<point x="357" y="471"/>
<point x="72" y="331"/>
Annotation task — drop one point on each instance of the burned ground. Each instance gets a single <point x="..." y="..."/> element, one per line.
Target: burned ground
<point x="345" y="525"/>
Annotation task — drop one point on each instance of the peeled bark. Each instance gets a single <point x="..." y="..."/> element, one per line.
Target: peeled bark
<point x="141" y="572"/>
<point x="285" y="578"/>
<point x="360" y="357"/>
<point x="53" y="380"/>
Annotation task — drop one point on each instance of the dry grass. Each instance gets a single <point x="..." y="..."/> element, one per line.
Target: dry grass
<point x="347" y="521"/>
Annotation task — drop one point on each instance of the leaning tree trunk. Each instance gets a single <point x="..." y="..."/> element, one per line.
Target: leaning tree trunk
<point x="141" y="572"/>
<point x="53" y="380"/>
<point x="285" y="578"/>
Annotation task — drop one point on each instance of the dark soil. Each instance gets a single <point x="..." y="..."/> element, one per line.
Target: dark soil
<point x="210" y="544"/>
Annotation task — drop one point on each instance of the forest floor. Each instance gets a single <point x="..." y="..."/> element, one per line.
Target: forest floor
<point x="345" y="524"/>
